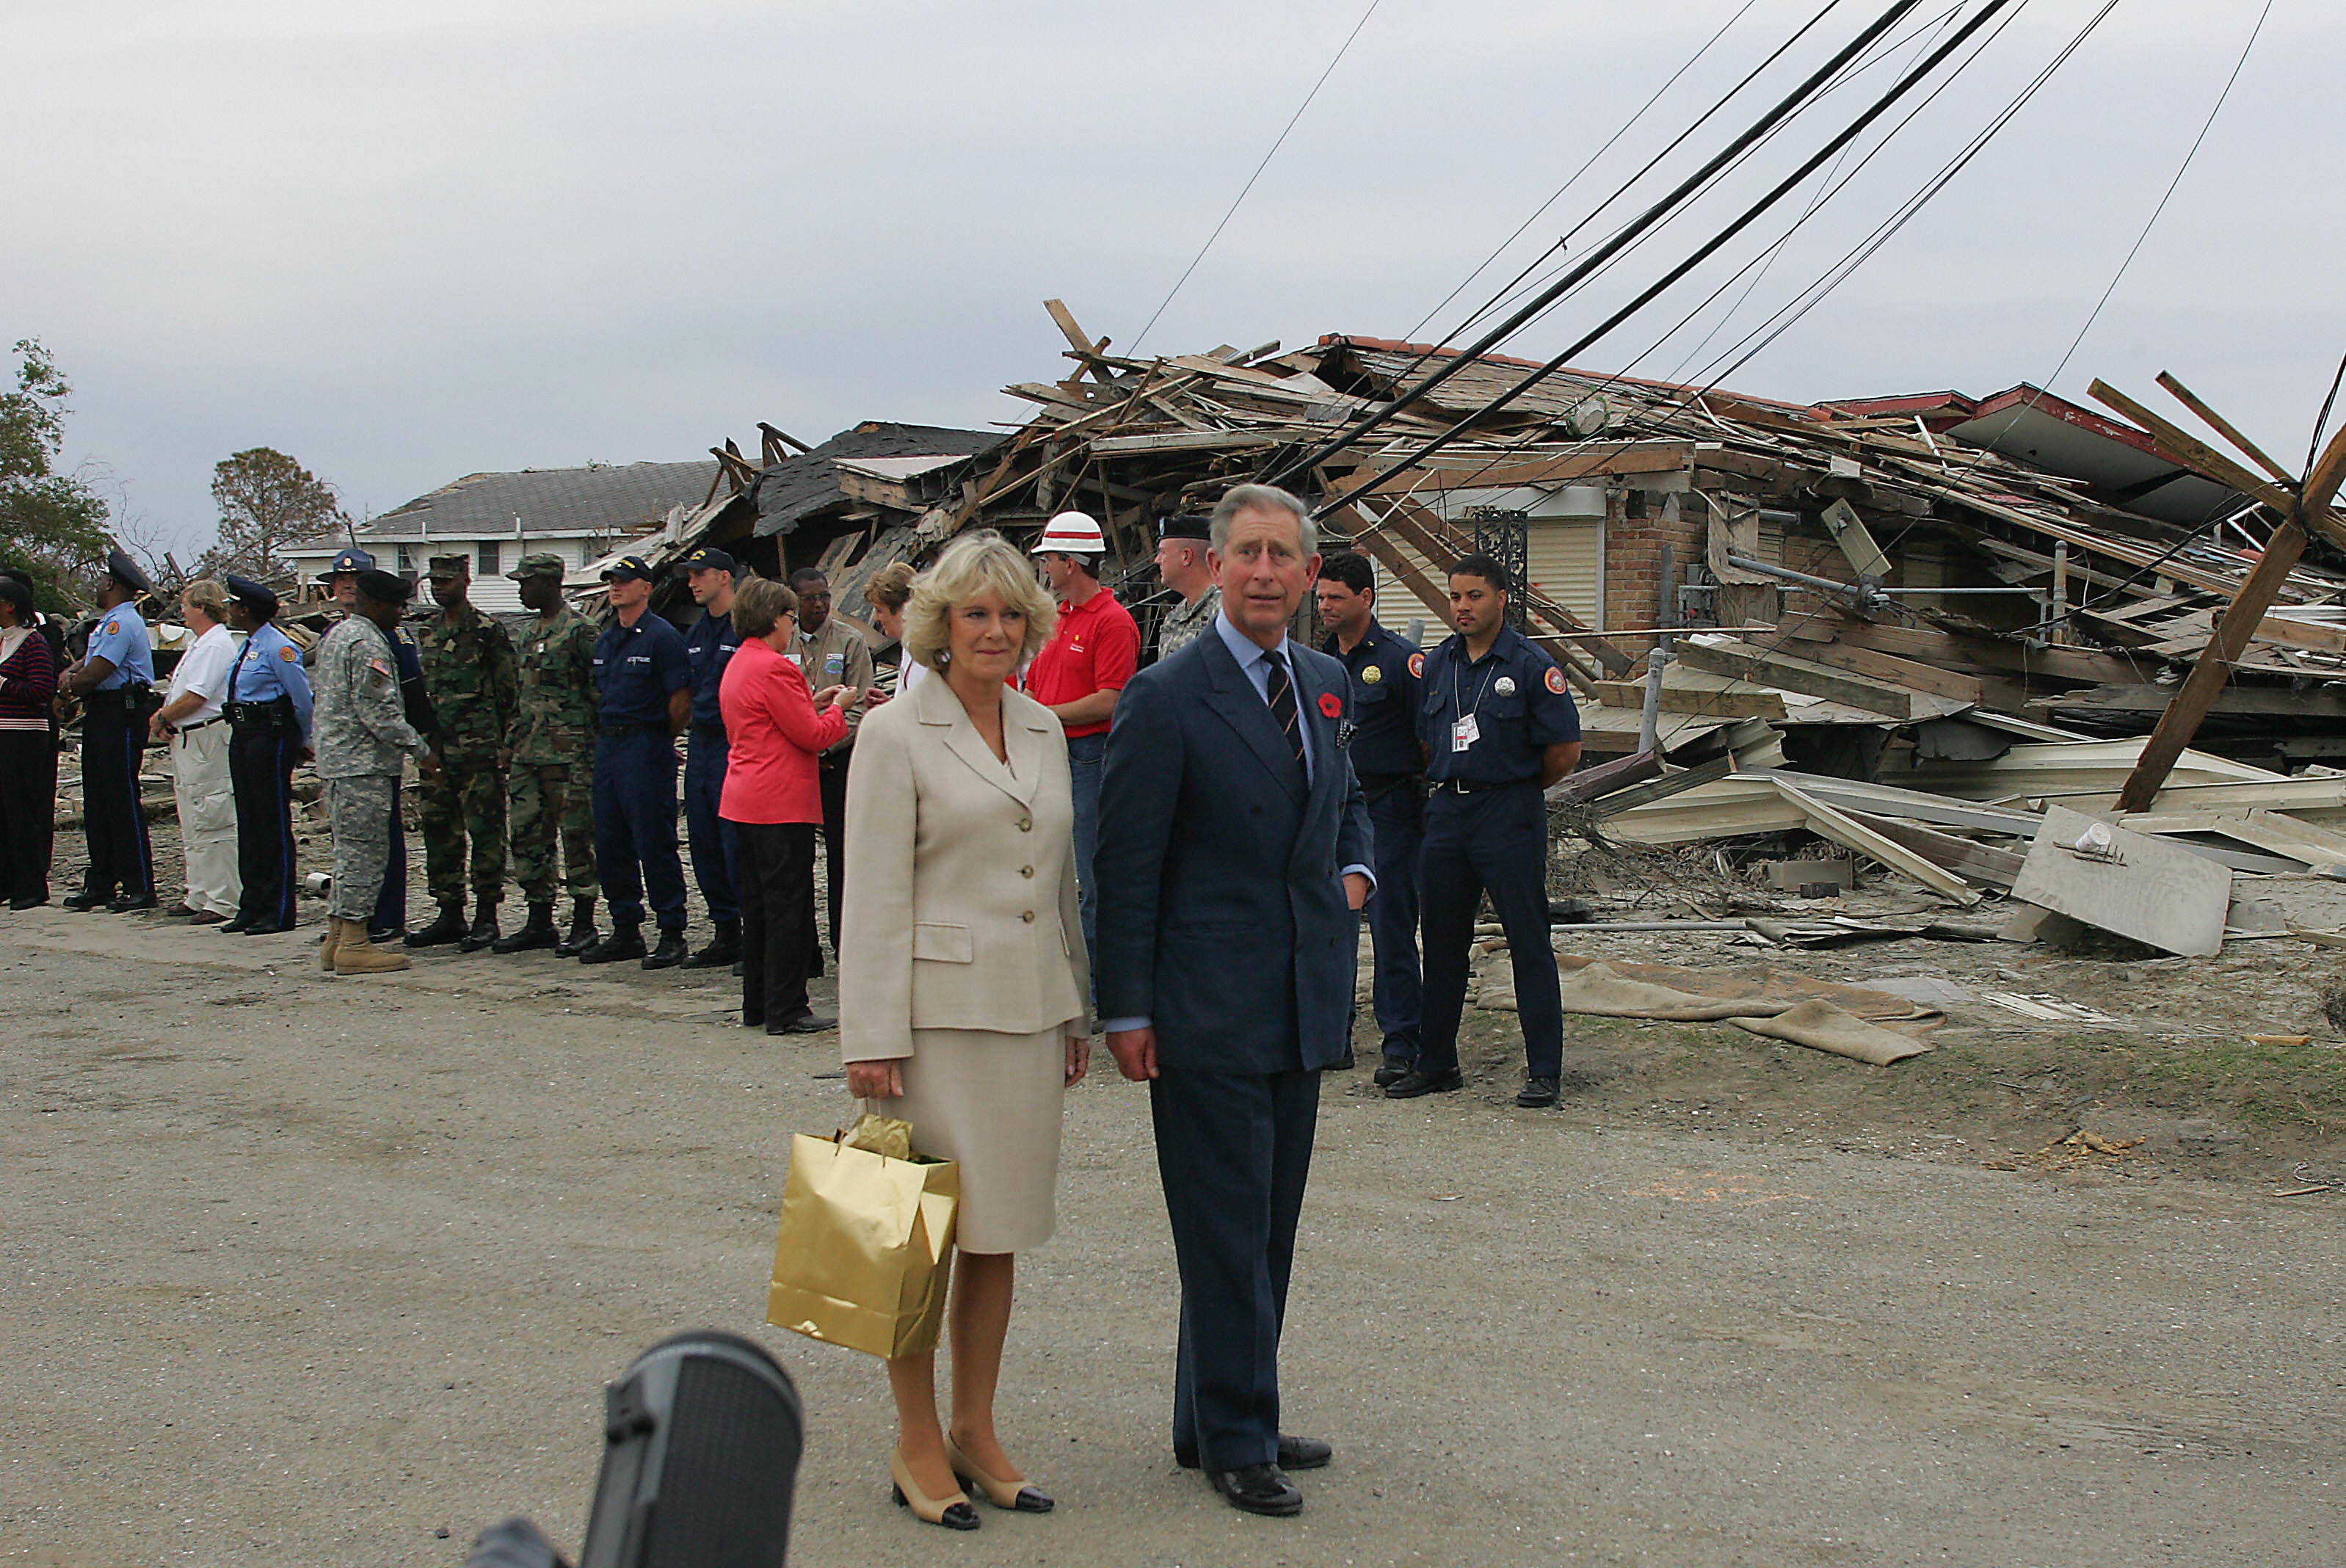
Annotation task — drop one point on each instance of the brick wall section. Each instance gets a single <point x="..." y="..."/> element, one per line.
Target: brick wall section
<point x="1633" y="558"/>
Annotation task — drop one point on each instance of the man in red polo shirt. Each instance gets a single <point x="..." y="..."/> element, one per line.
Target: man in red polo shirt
<point x="1081" y="671"/>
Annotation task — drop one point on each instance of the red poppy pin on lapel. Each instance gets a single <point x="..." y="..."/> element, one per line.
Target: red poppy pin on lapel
<point x="1330" y="706"/>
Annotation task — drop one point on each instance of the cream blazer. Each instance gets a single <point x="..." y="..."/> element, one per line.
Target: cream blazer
<point x="960" y="909"/>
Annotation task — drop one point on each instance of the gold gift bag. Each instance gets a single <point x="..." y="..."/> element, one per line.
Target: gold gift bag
<point x="866" y="1245"/>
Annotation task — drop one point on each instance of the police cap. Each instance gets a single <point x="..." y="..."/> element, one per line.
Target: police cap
<point x="350" y="560"/>
<point x="257" y="597"/>
<point x="541" y="564"/>
<point x="705" y="559"/>
<point x="627" y="568"/>
<point x="384" y="587"/>
<point x="125" y="571"/>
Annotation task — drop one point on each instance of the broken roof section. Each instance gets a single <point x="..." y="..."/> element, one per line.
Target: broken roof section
<point x="876" y="464"/>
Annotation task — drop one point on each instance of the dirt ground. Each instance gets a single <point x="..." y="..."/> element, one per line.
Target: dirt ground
<point x="308" y="1269"/>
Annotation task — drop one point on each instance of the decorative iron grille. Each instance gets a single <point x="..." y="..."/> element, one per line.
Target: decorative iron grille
<point x="1505" y="537"/>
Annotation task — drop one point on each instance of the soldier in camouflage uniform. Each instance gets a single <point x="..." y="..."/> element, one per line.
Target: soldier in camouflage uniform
<point x="554" y="734"/>
<point x="468" y="672"/>
<point x="362" y="740"/>
<point x="1181" y="543"/>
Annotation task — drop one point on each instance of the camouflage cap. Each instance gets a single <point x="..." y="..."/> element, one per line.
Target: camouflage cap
<point x="448" y="566"/>
<point x="541" y="564"/>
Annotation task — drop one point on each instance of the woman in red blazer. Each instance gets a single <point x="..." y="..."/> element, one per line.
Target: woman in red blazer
<point x="774" y="731"/>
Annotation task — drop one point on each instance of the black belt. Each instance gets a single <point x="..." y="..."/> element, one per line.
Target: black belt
<point x="191" y="729"/>
<point x="275" y="714"/>
<point x="128" y="696"/>
<point x="1377" y="783"/>
<point x="1475" y="786"/>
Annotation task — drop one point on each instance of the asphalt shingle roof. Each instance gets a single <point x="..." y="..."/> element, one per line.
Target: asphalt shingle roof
<point x="608" y="498"/>
<point x="803" y="485"/>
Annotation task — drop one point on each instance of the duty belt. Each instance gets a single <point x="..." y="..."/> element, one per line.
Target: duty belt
<point x="130" y="693"/>
<point x="267" y="715"/>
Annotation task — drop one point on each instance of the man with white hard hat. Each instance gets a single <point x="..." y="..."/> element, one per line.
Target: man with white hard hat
<point x="1081" y="671"/>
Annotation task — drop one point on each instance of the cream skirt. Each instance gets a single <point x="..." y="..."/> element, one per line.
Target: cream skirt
<point x="990" y="1101"/>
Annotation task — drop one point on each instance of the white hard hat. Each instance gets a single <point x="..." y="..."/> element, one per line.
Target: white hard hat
<point x="1071" y="534"/>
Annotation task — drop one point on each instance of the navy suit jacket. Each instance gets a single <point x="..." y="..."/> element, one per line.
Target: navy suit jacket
<point x="1220" y="900"/>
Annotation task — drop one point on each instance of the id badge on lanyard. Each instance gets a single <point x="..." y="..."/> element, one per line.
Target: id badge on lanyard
<point x="1464" y="733"/>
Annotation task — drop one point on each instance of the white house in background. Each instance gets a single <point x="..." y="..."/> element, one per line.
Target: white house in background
<point x="578" y="514"/>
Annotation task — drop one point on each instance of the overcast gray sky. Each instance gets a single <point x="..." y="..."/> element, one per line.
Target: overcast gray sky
<point x="409" y="243"/>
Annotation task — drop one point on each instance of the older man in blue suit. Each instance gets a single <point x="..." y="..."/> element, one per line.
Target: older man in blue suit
<point x="1233" y="848"/>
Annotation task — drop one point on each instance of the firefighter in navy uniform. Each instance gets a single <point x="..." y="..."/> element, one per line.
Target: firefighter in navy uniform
<point x="1498" y="726"/>
<point x="1391" y="767"/>
<point x="115" y="681"/>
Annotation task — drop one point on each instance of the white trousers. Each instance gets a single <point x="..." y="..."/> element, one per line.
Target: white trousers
<point x="206" y="801"/>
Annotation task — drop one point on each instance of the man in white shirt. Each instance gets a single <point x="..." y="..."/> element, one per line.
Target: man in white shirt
<point x="191" y="722"/>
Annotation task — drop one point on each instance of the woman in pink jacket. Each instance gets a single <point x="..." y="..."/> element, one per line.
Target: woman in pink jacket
<point x="775" y="731"/>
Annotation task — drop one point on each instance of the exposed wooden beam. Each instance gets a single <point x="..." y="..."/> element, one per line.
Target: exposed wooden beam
<point x="2223" y="427"/>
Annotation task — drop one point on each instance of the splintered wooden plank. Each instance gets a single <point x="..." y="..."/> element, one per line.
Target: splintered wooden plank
<point x="1850" y="833"/>
<point x="2155" y="893"/>
<point x="1912" y="673"/>
<point x="1745" y="662"/>
<point x="1727" y="702"/>
<point x="1192" y="441"/>
<point x="1977" y="863"/>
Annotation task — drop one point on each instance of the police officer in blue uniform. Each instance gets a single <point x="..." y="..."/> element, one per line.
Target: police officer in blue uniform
<point x="709" y="645"/>
<point x="1498" y="726"/>
<point x="268" y="708"/>
<point x="115" y="681"/>
<point x="1391" y="767"/>
<point x="389" y="922"/>
<point x="643" y="680"/>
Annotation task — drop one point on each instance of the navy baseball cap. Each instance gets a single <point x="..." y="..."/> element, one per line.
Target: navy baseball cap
<point x="705" y="559"/>
<point x="627" y="567"/>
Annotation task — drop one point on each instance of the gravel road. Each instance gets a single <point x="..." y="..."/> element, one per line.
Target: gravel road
<point x="307" y="1271"/>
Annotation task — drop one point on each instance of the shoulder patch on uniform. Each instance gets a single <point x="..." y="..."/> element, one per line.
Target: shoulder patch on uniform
<point x="1556" y="680"/>
<point x="113" y="628"/>
<point x="378" y="666"/>
<point x="1417" y="664"/>
<point x="287" y="653"/>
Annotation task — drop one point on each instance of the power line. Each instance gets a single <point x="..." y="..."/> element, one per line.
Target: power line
<point x="1344" y="49"/>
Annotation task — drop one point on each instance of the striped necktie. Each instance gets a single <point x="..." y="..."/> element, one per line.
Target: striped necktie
<point x="1281" y="691"/>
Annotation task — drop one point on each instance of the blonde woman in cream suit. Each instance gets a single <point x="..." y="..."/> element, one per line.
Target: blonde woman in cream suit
<point x="963" y="978"/>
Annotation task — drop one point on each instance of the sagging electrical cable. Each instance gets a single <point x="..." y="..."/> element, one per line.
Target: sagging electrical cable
<point x="1653" y="215"/>
<point x="1750" y="215"/>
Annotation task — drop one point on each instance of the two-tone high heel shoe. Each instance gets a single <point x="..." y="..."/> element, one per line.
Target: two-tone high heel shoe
<point x="955" y="1513"/>
<point x="1019" y="1496"/>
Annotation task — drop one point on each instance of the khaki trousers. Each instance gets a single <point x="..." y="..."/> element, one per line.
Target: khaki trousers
<point x="199" y="783"/>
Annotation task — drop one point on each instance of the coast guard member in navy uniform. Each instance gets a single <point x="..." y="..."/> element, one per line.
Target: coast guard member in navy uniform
<point x="1391" y="767"/>
<point x="643" y="680"/>
<point x="710" y="645"/>
<point x="268" y="708"/>
<point x="113" y="678"/>
<point x="1498" y="726"/>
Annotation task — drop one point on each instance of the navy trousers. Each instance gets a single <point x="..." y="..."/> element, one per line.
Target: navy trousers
<point x="260" y="772"/>
<point x="121" y="859"/>
<point x="1233" y="1152"/>
<point x="1494" y="841"/>
<point x="1398" y="820"/>
<point x="635" y="828"/>
<point x="716" y="847"/>
<point x="390" y="917"/>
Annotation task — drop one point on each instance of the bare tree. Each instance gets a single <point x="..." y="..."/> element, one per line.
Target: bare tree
<point x="266" y="501"/>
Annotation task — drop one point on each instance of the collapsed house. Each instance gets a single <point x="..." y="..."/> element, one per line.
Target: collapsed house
<point x="1909" y="625"/>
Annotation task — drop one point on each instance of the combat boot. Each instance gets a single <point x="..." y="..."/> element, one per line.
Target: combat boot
<point x="354" y="954"/>
<point x="582" y="929"/>
<point x="538" y="932"/>
<point x="485" y="927"/>
<point x="626" y="941"/>
<point x="723" y="950"/>
<point x="328" y="942"/>
<point x="449" y="927"/>
<point x="670" y="952"/>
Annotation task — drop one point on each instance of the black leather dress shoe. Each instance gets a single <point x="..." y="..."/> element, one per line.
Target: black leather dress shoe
<point x="669" y="952"/>
<point x="1294" y="1453"/>
<point x="1414" y="1081"/>
<point x="1537" y="1092"/>
<point x="804" y="1024"/>
<point x="86" y="900"/>
<point x="234" y="925"/>
<point x="1393" y="1071"/>
<point x="130" y="902"/>
<point x="1260" y="1489"/>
